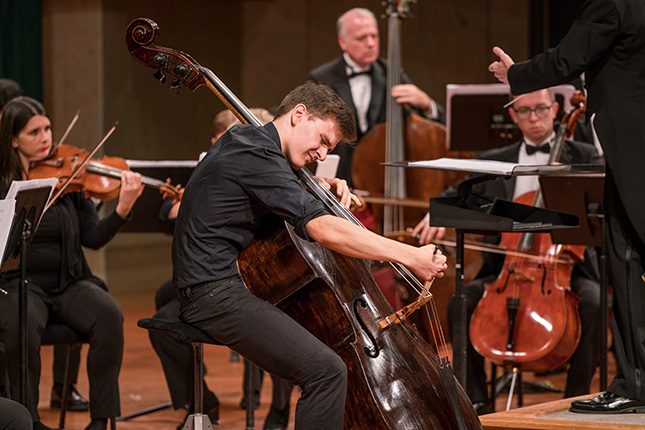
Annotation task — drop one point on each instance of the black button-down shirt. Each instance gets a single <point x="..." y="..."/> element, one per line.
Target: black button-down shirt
<point x="243" y="179"/>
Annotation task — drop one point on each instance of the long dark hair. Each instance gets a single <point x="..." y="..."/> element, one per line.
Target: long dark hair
<point x="15" y="116"/>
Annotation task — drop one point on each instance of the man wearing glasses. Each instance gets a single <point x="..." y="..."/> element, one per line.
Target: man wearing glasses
<point x="534" y="113"/>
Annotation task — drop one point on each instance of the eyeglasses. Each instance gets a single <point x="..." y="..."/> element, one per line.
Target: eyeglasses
<point x="525" y="112"/>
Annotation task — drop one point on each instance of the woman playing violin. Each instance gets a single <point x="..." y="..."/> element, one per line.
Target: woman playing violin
<point x="61" y="285"/>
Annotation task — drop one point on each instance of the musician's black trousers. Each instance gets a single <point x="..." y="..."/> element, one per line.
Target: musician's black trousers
<point x="88" y="309"/>
<point x="228" y="312"/>
<point x="14" y="416"/>
<point x="626" y="257"/>
<point x="582" y="364"/>
<point x="176" y="355"/>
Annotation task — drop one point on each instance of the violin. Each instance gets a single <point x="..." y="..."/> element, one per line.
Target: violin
<point x="100" y="179"/>
<point x="333" y="296"/>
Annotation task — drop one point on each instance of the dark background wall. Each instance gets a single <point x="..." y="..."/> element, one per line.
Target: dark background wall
<point x="260" y="49"/>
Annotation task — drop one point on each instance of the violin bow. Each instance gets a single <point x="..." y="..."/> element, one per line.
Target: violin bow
<point x="80" y="166"/>
<point x="69" y="127"/>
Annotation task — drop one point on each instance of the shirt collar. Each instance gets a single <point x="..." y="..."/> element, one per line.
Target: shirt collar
<point x="351" y="66"/>
<point x="547" y="140"/>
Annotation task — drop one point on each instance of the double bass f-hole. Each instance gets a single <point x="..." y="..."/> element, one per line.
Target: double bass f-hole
<point x="375" y="350"/>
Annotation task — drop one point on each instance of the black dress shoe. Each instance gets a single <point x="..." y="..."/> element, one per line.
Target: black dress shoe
<point x="608" y="403"/>
<point x="40" y="426"/>
<point x="75" y="402"/>
<point x="483" y="408"/>
<point x="256" y="401"/>
<point x="277" y="419"/>
<point x="97" y="424"/>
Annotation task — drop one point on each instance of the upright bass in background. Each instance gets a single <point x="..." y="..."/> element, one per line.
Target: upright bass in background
<point x="406" y="136"/>
<point x="396" y="380"/>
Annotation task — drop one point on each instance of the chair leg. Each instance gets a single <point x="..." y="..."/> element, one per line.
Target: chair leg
<point x="67" y="382"/>
<point x="250" y="375"/>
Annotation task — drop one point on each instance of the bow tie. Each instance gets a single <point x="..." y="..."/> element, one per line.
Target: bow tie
<point x="364" y="72"/>
<point x="531" y="149"/>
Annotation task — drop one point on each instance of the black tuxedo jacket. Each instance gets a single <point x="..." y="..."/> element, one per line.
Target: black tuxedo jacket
<point x="334" y="74"/>
<point x="608" y="42"/>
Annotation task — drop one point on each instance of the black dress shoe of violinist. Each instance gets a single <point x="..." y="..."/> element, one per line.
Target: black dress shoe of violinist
<point x="608" y="403"/>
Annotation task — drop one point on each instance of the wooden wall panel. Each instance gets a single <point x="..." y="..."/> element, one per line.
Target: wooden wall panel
<point x="261" y="49"/>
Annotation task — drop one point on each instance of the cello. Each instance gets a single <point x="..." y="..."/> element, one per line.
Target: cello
<point x="396" y="381"/>
<point x="528" y="317"/>
<point x="406" y="137"/>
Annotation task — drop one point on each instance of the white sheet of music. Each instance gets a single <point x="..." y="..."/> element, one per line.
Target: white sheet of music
<point x="7" y="211"/>
<point x="8" y="205"/>
<point x="468" y="165"/>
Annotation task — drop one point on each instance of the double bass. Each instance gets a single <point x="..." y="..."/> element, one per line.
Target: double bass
<point x="528" y="317"/>
<point x="396" y="380"/>
<point x="406" y="136"/>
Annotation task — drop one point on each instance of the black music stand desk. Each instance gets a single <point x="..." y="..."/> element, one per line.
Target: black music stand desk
<point x="30" y="205"/>
<point x="583" y="196"/>
<point x="469" y="213"/>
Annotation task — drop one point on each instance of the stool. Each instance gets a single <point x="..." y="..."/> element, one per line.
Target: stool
<point x="194" y="336"/>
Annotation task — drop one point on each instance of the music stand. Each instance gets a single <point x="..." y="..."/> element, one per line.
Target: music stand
<point x="145" y="217"/>
<point x="470" y="213"/>
<point x="476" y="118"/>
<point x="30" y="204"/>
<point x="583" y="196"/>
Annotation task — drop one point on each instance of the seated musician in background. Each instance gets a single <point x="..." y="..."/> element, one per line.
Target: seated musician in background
<point x="243" y="185"/>
<point x="10" y="89"/>
<point x="534" y="113"/>
<point x="61" y="286"/>
<point x="176" y="355"/>
<point x="359" y="77"/>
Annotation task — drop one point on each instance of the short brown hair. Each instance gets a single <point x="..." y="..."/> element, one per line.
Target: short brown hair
<point x="322" y="102"/>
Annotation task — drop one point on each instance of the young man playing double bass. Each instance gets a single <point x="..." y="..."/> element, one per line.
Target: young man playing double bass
<point x="244" y="181"/>
<point x="534" y="114"/>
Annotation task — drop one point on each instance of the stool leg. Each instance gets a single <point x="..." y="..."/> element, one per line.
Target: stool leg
<point x="198" y="420"/>
<point x="251" y="371"/>
<point x="198" y="357"/>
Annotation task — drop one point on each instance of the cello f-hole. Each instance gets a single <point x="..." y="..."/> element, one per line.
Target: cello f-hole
<point x="375" y="350"/>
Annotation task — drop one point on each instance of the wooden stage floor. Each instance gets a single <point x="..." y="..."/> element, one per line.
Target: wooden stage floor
<point x="142" y="385"/>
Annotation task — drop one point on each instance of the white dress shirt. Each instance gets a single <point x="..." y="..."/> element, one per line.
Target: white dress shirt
<point x="525" y="184"/>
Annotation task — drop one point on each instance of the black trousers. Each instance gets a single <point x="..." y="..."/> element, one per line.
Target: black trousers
<point x="583" y="362"/>
<point x="14" y="416"/>
<point x="89" y="310"/>
<point x="626" y="258"/>
<point x="176" y="355"/>
<point x="262" y="333"/>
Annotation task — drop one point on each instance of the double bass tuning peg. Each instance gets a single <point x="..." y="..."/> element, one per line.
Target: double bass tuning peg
<point x="160" y="76"/>
<point x="175" y="88"/>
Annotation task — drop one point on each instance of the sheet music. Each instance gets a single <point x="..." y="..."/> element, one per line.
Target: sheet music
<point x="7" y="211"/>
<point x="133" y="164"/>
<point x="17" y="186"/>
<point x="329" y="167"/>
<point x="502" y="168"/>
<point x="466" y="165"/>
